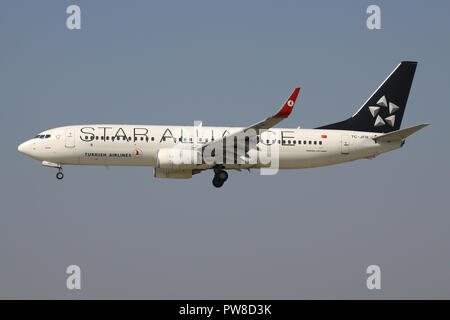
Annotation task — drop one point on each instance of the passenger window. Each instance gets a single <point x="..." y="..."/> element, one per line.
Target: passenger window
<point x="107" y="137"/>
<point x="304" y="141"/>
<point x="294" y="141"/>
<point x="310" y="142"/>
<point x="299" y="141"/>
<point x="163" y="138"/>
<point x="284" y="141"/>
<point x="142" y="138"/>
<point x="146" y="139"/>
<point x="320" y="142"/>
<point x="153" y="138"/>
<point x="102" y="138"/>
<point x="315" y="142"/>
<point x="96" y="137"/>
<point x="47" y="136"/>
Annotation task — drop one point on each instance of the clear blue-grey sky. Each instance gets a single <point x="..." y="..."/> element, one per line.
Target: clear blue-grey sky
<point x="299" y="234"/>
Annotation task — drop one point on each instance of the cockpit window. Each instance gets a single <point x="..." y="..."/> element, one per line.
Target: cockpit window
<point x="43" y="136"/>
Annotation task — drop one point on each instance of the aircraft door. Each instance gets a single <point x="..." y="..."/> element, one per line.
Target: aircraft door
<point x="345" y="144"/>
<point x="70" y="138"/>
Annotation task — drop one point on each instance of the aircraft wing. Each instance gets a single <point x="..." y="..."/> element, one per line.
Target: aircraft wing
<point x="268" y="123"/>
<point x="283" y="113"/>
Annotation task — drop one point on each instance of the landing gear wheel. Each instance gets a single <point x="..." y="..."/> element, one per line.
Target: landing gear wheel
<point x="59" y="175"/>
<point x="217" y="182"/>
<point x="222" y="175"/>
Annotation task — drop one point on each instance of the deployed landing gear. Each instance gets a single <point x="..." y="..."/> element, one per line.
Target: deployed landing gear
<point x="217" y="182"/>
<point x="59" y="175"/>
<point x="220" y="176"/>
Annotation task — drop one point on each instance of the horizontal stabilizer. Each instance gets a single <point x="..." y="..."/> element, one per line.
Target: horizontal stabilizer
<point x="399" y="134"/>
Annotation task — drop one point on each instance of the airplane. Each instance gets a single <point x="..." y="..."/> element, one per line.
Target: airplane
<point x="372" y="130"/>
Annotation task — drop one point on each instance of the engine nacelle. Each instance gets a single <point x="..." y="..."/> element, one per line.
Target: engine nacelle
<point x="176" y="158"/>
<point x="172" y="173"/>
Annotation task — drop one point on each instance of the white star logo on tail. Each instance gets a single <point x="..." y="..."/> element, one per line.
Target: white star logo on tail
<point x="383" y="103"/>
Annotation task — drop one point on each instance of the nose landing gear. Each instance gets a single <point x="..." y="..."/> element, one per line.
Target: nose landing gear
<point x="220" y="176"/>
<point x="59" y="175"/>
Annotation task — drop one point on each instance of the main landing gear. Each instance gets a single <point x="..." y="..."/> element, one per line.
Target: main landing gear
<point x="59" y="175"/>
<point x="220" y="176"/>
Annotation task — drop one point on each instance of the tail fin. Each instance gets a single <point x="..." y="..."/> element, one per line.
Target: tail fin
<point x="383" y="111"/>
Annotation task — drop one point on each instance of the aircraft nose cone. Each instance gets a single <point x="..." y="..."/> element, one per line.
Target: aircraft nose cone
<point x="21" y="147"/>
<point x="25" y="148"/>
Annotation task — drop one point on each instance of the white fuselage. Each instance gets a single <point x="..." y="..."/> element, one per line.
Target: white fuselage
<point x="138" y="145"/>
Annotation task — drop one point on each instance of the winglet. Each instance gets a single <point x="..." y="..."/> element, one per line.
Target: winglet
<point x="286" y="110"/>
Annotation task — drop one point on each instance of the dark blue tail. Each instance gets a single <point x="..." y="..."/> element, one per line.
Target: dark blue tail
<point x="383" y="111"/>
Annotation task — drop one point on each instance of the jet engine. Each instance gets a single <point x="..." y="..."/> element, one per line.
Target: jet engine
<point x="172" y="173"/>
<point x="176" y="158"/>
